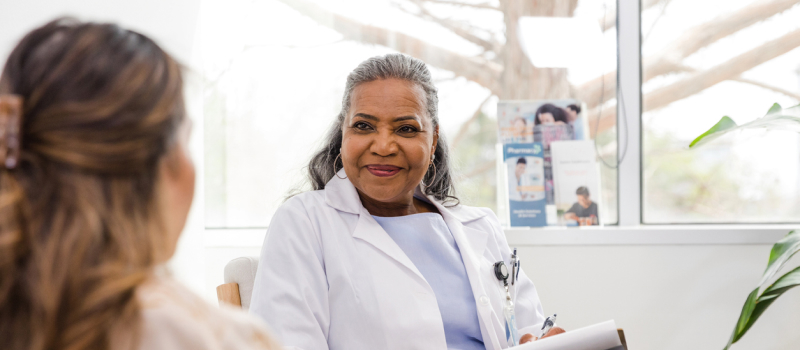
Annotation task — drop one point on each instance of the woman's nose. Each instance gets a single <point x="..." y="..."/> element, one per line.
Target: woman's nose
<point x="384" y="144"/>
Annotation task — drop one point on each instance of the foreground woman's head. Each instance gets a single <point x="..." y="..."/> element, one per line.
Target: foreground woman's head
<point x="386" y="136"/>
<point x="101" y="186"/>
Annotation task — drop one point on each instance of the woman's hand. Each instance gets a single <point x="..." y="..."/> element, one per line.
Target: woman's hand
<point x="529" y="337"/>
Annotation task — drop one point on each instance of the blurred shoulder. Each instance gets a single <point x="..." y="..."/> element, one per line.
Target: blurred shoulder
<point x="175" y="318"/>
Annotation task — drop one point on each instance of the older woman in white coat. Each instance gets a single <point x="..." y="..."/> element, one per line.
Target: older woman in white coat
<point x="381" y="255"/>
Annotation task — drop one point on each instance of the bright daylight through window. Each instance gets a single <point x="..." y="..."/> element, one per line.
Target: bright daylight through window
<point x="274" y="78"/>
<point x="703" y="60"/>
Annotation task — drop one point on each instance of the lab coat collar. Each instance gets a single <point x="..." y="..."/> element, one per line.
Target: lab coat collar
<point x="342" y="195"/>
<point x="456" y="217"/>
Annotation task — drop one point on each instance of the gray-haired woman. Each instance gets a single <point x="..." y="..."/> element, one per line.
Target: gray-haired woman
<point x="381" y="255"/>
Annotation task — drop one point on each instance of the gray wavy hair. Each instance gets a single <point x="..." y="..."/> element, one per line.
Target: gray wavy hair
<point x="323" y="164"/>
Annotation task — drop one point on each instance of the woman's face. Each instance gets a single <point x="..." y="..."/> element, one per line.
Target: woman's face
<point x="546" y="118"/>
<point x="388" y="139"/>
<point x="176" y="188"/>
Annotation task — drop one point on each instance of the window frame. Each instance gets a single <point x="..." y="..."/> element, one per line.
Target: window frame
<point x="629" y="126"/>
<point x="630" y="228"/>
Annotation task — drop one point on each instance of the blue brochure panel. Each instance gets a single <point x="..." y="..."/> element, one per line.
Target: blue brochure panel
<point x="524" y="163"/>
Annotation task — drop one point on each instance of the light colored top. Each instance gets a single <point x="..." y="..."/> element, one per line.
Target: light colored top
<point x="174" y="318"/>
<point x="429" y="244"/>
<point x="330" y="277"/>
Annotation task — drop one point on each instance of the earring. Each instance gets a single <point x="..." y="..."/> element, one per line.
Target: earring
<point x="433" y="179"/>
<point x="336" y="173"/>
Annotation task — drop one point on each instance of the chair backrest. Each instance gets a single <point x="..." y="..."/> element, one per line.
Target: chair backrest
<point x="242" y="272"/>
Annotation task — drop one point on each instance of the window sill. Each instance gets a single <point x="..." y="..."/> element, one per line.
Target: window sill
<point x="649" y="235"/>
<point x="559" y="236"/>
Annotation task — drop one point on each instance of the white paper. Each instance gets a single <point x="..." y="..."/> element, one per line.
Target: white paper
<point x="601" y="336"/>
<point x="574" y="166"/>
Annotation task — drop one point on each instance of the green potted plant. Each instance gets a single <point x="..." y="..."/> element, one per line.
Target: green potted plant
<point x="763" y="295"/>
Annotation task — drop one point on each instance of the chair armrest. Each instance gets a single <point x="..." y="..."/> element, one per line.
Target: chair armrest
<point x="229" y="293"/>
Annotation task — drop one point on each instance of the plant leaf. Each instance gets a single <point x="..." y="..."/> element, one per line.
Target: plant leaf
<point x="781" y="252"/>
<point x="747" y="310"/>
<point x="788" y="281"/>
<point x="777" y="118"/>
<point x="744" y="317"/>
<point x="757" y="303"/>
<point x="723" y="124"/>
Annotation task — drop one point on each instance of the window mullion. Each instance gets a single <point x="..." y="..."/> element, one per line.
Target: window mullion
<point x="628" y="120"/>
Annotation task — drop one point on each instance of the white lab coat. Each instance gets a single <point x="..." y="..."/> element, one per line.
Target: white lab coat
<point x="330" y="277"/>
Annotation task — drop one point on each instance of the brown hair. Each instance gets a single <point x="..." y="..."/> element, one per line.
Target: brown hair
<point x="79" y="227"/>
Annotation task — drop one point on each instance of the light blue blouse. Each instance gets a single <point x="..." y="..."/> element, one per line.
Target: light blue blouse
<point x="428" y="242"/>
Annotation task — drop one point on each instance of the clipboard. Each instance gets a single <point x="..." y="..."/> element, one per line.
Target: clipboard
<point x="601" y="336"/>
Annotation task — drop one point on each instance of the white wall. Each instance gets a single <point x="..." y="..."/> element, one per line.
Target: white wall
<point x="664" y="296"/>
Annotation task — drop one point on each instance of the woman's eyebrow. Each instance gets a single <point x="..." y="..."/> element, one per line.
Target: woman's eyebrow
<point x="408" y="117"/>
<point x="366" y="116"/>
<point x="395" y="120"/>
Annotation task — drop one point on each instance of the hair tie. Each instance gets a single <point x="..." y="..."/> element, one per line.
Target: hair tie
<point x="10" y="119"/>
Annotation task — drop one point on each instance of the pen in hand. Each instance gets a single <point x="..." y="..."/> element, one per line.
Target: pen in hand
<point x="545" y="332"/>
<point x="549" y="323"/>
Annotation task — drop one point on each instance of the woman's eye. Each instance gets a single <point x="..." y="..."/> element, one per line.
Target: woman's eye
<point x="362" y="126"/>
<point x="407" y="129"/>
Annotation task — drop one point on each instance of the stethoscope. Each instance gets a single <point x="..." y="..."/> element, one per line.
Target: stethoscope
<point x="501" y="273"/>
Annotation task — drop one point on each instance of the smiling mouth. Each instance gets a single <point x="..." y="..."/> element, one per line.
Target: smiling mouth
<point x="383" y="170"/>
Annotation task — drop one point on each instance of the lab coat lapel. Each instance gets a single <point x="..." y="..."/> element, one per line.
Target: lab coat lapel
<point x="368" y="230"/>
<point x="472" y="243"/>
<point x="342" y="195"/>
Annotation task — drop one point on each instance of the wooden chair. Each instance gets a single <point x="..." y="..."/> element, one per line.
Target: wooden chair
<point x="228" y="293"/>
<point x="239" y="275"/>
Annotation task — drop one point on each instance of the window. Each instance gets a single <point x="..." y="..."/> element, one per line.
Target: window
<point x="275" y="72"/>
<point x="703" y="60"/>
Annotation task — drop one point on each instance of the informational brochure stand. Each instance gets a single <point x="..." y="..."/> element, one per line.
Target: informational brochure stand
<point x="521" y="125"/>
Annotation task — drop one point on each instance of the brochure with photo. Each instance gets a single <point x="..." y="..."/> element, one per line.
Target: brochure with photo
<point x="517" y="119"/>
<point x="546" y="135"/>
<point x="524" y="174"/>
<point x="577" y="182"/>
<point x="537" y="121"/>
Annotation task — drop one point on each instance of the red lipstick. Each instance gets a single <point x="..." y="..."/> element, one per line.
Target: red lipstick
<point x="383" y="170"/>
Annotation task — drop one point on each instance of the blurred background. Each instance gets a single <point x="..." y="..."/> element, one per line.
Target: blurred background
<point x="265" y="80"/>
